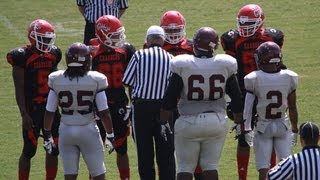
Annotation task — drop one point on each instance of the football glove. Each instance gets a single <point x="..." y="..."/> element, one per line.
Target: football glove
<point x="127" y="116"/>
<point x="165" y="128"/>
<point x="109" y="142"/>
<point x="48" y="142"/>
<point x="248" y="135"/>
<point x="294" y="139"/>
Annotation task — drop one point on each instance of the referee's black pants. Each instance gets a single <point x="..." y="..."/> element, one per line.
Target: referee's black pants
<point x="89" y="32"/>
<point x="146" y="127"/>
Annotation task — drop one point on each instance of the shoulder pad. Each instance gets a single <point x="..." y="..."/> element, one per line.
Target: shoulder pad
<point x="56" y="52"/>
<point x="56" y="73"/>
<point x="228" y="40"/>
<point x="276" y="35"/>
<point x="17" y="56"/>
<point x="230" y="36"/>
<point x="100" y="78"/>
<point x="189" y="42"/>
<point x="129" y="47"/>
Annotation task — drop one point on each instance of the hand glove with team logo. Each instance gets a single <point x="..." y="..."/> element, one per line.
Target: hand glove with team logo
<point x="48" y="143"/>
<point x="109" y="142"/>
<point x="164" y="130"/>
<point x="294" y="139"/>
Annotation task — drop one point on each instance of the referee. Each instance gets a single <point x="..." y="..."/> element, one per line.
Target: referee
<point x="147" y="75"/>
<point x="304" y="165"/>
<point x="93" y="9"/>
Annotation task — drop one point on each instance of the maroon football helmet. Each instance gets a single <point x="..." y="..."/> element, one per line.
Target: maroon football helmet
<point x="205" y="41"/>
<point x="268" y="53"/>
<point x="78" y="55"/>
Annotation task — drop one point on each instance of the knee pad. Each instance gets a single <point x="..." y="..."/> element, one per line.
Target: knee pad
<point x="242" y="142"/>
<point x="122" y="150"/>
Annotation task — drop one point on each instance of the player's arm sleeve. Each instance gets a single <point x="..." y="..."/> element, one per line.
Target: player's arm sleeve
<point x="279" y="38"/>
<point x="294" y="82"/>
<point x="58" y="55"/>
<point x="129" y="76"/>
<point x="101" y="101"/>
<point x="18" y="79"/>
<point x="130" y="49"/>
<point x="16" y="57"/>
<point x="102" y="82"/>
<point x="52" y="101"/>
<point x="292" y="103"/>
<point x="247" y="112"/>
<point x="173" y="92"/>
<point x="227" y="43"/>
<point x="276" y="35"/>
<point x="233" y="90"/>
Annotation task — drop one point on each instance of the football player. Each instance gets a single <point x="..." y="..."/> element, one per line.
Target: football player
<point x="241" y="43"/>
<point x="31" y="65"/>
<point x="274" y="98"/>
<point x="176" y="43"/>
<point x="174" y="26"/>
<point x="202" y="81"/>
<point x="76" y="90"/>
<point x="111" y="57"/>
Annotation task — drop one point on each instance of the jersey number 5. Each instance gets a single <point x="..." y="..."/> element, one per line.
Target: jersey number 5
<point x="197" y="94"/>
<point x="80" y="101"/>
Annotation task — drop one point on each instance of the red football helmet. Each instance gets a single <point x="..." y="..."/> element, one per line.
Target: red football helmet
<point x="249" y="20"/>
<point x="41" y="35"/>
<point x="78" y="55"/>
<point x="205" y="41"/>
<point x="174" y="26"/>
<point x="110" y="31"/>
<point x="268" y="53"/>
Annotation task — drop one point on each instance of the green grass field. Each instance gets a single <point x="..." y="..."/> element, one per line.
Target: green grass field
<point x="299" y="20"/>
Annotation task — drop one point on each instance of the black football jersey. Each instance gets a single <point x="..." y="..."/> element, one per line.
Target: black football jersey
<point x="37" y="66"/>
<point x="183" y="47"/>
<point x="112" y="63"/>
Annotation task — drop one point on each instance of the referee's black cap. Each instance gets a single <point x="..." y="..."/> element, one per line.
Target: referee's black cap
<point x="309" y="131"/>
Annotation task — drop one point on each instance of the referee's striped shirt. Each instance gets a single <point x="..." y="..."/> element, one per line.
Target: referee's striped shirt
<point x="93" y="9"/>
<point x="148" y="73"/>
<point x="301" y="166"/>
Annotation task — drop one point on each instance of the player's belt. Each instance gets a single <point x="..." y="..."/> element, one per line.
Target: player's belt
<point x="209" y="112"/>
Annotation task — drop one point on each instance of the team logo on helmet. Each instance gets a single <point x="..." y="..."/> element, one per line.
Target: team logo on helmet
<point x="101" y="26"/>
<point x="257" y="12"/>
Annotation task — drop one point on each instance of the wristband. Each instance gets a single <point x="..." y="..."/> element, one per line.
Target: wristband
<point x="111" y="135"/>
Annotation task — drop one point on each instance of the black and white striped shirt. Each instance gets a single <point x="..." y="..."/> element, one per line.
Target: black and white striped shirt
<point x="301" y="166"/>
<point x="148" y="73"/>
<point x="93" y="9"/>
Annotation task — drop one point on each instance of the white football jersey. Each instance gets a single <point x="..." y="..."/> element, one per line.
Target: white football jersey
<point x="204" y="82"/>
<point x="76" y="97"/>
<point x="272" y="90"/>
